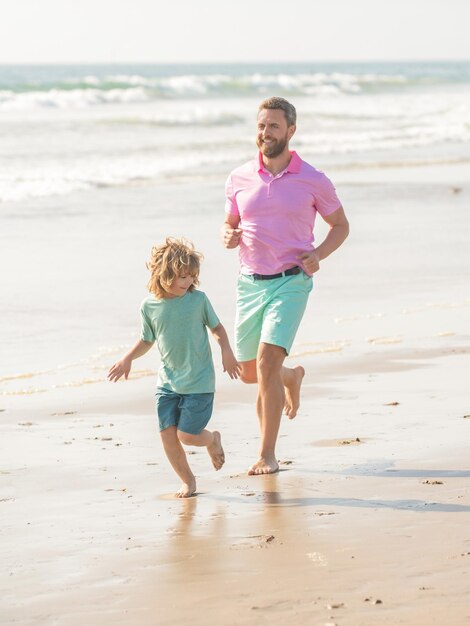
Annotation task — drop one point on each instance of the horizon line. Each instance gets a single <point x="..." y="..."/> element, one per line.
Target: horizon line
<point x="234" y="62"/>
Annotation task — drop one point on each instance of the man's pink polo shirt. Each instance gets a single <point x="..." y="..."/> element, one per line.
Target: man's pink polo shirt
<point x="277" y="213"/>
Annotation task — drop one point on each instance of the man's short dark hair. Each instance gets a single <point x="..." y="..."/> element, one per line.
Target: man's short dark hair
<point x="280" y="103"/>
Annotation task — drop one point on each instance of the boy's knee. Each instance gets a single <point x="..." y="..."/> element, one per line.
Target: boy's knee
<point x="168" y="434"/>
<point x="186" y="438"/>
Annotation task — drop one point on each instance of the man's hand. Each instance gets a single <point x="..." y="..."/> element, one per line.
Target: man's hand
<point x="310" y="261"/>
<point x="121" y="368"/>
<point x="231" y="237"/>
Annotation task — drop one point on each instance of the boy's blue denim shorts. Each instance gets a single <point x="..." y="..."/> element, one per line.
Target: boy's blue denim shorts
<point x="189" y="412"/>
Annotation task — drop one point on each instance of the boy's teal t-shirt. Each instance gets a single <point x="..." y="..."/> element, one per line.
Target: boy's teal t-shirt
<point x="178" y="326"/>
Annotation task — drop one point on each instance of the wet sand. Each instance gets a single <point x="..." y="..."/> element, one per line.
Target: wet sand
<point x="367" y="521"/>
<point x="378" y="531"/>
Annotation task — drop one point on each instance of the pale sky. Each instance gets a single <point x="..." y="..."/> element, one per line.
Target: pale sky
<point x="68" y="31"/>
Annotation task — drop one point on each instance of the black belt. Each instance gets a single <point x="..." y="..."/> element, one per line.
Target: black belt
<point x="292" y="271"/>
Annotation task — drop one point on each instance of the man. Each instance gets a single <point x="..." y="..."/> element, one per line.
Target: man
<point x="271" y="206"/>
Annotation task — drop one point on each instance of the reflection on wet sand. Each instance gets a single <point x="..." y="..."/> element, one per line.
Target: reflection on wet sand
<point x="240" y="548"/>
<point x="286" y="546"/>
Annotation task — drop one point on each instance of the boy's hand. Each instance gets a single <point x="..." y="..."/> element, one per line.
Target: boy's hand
<point x="230" y="364"/>
<point x="121" y="368"/>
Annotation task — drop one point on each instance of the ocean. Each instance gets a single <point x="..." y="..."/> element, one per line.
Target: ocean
<point x="69" y="128"/>
<point x="99" y="162"/>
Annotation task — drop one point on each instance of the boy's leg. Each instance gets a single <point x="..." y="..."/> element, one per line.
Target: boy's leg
<point x="177" y="457"/>
<point x="211" y="440"/>
<point x="196" y="411"/>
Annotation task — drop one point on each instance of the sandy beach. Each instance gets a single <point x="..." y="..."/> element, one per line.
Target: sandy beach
<point x="368" y="520"/>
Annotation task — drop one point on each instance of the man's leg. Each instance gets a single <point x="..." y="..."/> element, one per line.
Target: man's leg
<point x="291" y="379"/>
<point x="266" y="327"/>
<point x="269" y="405"/>
<point x="278" y="388"/>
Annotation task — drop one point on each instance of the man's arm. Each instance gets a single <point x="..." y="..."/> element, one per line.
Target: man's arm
<point x="230" y="232"/>
<point x="229" y="362"/>
<point x="339" y="230"/>
<point x="123" y="367"/>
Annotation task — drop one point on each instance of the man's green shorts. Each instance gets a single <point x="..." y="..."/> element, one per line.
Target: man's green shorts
<point x="269" y="311"/>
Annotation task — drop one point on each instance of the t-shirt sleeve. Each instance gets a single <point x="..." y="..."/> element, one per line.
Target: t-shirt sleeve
<point x="231" y="206"/>
<point x="326" y="200"/>
<point x="147" y="332"/>
<point x="210" y="318"/>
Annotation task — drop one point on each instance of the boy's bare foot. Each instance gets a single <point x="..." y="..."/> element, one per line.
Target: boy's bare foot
<point x="292" y="402"/>
<point x="264" y="465"/>
<point x="215" y="450"/>
<point x="186" y="490"/>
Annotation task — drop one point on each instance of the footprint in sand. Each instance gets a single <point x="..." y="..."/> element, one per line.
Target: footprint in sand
<point x="354" y="441"/>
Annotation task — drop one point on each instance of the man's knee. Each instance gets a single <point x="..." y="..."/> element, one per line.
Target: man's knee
<point x="270" y="360"/>
<point x="248" y="372"/>
<point x="249" y="378"/>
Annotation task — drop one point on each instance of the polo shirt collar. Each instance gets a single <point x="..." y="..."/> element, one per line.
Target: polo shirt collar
<point x="294" y="163"/>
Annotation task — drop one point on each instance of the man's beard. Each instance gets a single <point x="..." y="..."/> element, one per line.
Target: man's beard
<point x="275" y="149"/>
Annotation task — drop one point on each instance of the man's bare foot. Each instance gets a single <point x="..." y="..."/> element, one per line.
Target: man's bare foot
<point x="292" y="402"/>
<point x="215" y="450"/>
<point x="264" y="465"/>
<point x="186" y="490"/>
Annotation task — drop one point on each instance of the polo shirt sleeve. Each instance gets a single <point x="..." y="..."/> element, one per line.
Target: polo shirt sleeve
<point x="147" y="332"/>
<point x="209" y="316"/>
<point x="231" y="206"/>
<point x="326" y="200"/>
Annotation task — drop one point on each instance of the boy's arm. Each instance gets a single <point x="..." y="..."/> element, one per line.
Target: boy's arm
<point x="229" y="362"/>
<point x="123" y="367"/>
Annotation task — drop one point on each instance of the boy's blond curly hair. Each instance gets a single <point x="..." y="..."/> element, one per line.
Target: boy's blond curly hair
<point x="169" y="261"/>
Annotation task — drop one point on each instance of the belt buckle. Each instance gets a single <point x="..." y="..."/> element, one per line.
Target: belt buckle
<point x="292" y="271"/>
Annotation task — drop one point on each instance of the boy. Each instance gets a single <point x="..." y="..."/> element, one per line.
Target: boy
<point x="176" y="316"/>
